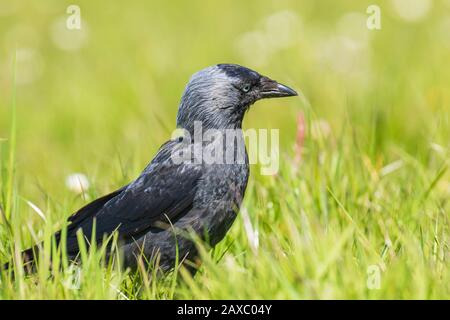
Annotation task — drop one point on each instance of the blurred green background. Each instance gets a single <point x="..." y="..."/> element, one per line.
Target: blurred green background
<point x="112" y="88"/>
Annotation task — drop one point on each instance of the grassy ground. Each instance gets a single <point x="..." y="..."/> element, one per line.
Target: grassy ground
<point x="359" y="207"/>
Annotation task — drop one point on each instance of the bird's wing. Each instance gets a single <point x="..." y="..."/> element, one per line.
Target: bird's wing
<point x="164" y="190"/>
<point x="91" y="208"/>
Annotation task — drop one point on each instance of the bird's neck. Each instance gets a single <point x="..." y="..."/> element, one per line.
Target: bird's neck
<point x="218" y="146"/>
<point x="202" y="128"/>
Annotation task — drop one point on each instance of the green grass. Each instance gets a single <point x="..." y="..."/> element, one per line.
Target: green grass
<point x="369" y="194"/>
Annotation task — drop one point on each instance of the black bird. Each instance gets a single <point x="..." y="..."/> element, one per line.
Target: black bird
<point x="175" y="195"/>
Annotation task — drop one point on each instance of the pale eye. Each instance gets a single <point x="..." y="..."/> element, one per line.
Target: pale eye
<point x="246" y="88"/>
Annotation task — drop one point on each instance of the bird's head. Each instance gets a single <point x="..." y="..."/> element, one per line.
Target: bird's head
<point x="219" y="96"/>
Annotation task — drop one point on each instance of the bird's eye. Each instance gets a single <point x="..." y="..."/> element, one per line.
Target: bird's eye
<point x="246" y="88"/>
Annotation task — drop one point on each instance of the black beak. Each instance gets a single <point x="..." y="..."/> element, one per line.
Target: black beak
<point x="272" y="89"/>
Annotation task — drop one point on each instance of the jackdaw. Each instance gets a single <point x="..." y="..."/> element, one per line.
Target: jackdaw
<point x="179" y="194"/>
